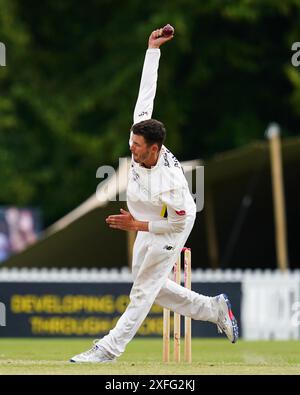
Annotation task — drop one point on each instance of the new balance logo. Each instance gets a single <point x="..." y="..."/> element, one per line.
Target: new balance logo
<point x="168" y="248"/>
<point x="2" y="314"/>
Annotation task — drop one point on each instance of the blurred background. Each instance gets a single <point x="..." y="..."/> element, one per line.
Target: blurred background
<point x="68" y="92"/>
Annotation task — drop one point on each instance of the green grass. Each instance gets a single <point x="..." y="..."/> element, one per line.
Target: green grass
<point x="210" y="356"/>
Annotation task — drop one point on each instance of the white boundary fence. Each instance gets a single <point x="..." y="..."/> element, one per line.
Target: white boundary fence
<point x="270" y="305"/>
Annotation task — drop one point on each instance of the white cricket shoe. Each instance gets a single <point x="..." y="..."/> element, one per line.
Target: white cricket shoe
<point x="226" y="322"/>
<point x="97" y="354"/>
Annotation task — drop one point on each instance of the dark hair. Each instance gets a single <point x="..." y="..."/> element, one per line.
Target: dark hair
<point x="152" y="130"/>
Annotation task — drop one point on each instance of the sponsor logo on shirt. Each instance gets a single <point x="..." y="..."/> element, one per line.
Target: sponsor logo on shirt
<point x="135" y="175"/>
<point x="180" y="212"/>
<point x="169" y="157"/>
<point x="143" y="113"/>
<point x="166" y="162"/>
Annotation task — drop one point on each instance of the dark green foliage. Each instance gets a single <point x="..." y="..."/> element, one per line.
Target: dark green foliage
<point x="72" y="76"/>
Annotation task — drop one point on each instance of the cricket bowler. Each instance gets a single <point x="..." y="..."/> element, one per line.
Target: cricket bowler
<point x="162" y="211"/>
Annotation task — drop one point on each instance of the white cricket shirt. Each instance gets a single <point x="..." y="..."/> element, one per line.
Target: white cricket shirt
<point x="163" y="189"/>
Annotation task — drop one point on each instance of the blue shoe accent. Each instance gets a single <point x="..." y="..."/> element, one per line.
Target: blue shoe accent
<point x="224" y="327"/>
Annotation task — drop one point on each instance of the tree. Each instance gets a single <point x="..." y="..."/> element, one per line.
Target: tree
<point x="72" y="75"/>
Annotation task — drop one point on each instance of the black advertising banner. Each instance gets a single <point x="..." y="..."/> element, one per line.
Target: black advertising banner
<point x="88" y="309"/>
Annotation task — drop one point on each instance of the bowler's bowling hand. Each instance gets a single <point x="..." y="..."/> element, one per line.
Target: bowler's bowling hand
<point x="156" y="39"/>
<point x="123" y="221"/>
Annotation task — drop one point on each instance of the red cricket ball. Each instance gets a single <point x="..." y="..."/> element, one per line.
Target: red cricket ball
<point x="168" y="30"/>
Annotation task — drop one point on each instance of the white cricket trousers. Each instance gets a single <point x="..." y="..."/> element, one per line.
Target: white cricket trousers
<point x="151" y="266"/>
